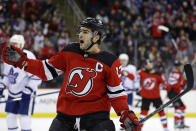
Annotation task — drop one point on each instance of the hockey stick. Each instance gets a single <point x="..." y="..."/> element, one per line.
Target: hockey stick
<point x="33" y="96"/>
<point x="190" y="82"/>
<point x="166" y="29"/>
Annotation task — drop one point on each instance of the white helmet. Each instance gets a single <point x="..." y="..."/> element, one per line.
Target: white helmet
<point x="124" y="57"/>
<point x="18" y="41"/>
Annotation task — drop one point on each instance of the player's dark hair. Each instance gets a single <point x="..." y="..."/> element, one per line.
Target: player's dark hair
<point x="95" y="25"/>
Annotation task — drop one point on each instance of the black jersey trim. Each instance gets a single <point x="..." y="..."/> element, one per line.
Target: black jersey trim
<point x="73" y="47"/>
<point x="104" y="57"/>
<point x="116" y="92"/>
<point x="52" y="70"/>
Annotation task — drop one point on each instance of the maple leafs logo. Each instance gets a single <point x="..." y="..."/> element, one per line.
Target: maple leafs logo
<point x="12" y="76"/>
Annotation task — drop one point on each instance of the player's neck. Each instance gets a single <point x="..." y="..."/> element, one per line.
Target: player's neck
<point x="94" y="49"/>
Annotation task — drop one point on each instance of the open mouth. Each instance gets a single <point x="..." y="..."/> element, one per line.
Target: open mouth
<point x="81" y="41"/>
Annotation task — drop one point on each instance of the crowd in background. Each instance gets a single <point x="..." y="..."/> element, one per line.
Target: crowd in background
<point x="41" y="23"/>
<point x="131" y="27"/>
<point x="134" y="23"/>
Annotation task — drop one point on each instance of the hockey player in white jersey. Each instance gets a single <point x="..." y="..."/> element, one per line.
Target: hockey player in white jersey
<point x="129" y="77"/>
<point x="19" y="84"/>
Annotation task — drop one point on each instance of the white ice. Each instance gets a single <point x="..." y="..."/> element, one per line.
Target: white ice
<point x="153" y="124"/>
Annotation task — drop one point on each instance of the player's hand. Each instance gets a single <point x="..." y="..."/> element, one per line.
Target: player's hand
<point x="14" y="56"/>
<point x="125" y="73"/>
<point x="138" y="92"/>
<point x="129" y="121"/>
<point x="167" y="88"/>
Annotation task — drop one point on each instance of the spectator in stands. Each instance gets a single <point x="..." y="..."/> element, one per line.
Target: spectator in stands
<point x="38" y="41"/>
<point x="183" y="44"/>
<point x="102" y="16"/>
<point x="48" y="50"/>
<point x="193" y="62"/>
<point x="29" y="40"/>
<point x="63" y="40"/>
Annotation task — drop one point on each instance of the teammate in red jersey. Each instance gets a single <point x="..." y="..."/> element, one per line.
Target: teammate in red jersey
<point x="175" y="84"/>
<point x="151" y="82"/>
<point x="91" y="85"/>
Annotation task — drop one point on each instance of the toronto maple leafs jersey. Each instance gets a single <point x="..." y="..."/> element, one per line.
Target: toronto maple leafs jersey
<point x="92" y="81"/>
<point x="130" y="84"/>
<point x="18" y="81"/>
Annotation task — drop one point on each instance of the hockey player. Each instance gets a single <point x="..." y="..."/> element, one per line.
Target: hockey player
<point x="20" y="84"/>
<point x="175" y="84"/>
<point x="151" y="82"/>
<point x="129" y="77"/>
<point x="91" y="84"/>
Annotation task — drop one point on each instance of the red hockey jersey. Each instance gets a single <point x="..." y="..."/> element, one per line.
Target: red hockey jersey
<point x="176" y="81"/>
<point x="92" y="81"/>
<point x="150" y="85"/>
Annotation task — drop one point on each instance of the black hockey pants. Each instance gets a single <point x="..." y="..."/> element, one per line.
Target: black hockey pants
<point x="98" y="121"/>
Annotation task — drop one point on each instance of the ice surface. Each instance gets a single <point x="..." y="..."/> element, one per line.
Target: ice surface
<point x="153" y="124"/>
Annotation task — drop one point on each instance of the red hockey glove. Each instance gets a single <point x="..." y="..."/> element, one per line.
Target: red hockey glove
<point x="14" y="56"/>
<point x="168" y="88"/>
<point x="129" y="121"/>
<point x="130" y="76"/>
<point x="125" y="73"/>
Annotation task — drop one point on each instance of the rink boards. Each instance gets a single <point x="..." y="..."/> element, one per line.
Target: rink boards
<point x="45" y="106"/>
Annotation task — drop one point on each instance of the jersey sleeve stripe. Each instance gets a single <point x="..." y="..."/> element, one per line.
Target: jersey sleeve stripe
<point x="48" y="74"/>
<point x="115" y="88"/>
<point x="29" y="88"/>
<point x="117" y="95"/>
<point x="51" y="69"/>
<point x="2" y="85"/>
<point x="172" y="81"/>
<point x="116" y="91"/>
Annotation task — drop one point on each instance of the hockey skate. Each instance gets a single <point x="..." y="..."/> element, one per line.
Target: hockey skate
<point x="180" y="126"/>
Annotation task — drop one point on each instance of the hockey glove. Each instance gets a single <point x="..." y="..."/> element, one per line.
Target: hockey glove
<point x="129" y="121"/>
<point x="14" y="56"/>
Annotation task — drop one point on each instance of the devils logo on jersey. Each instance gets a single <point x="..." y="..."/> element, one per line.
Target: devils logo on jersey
<point x="149" y="83"/>
<point x="80" y="81"/>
